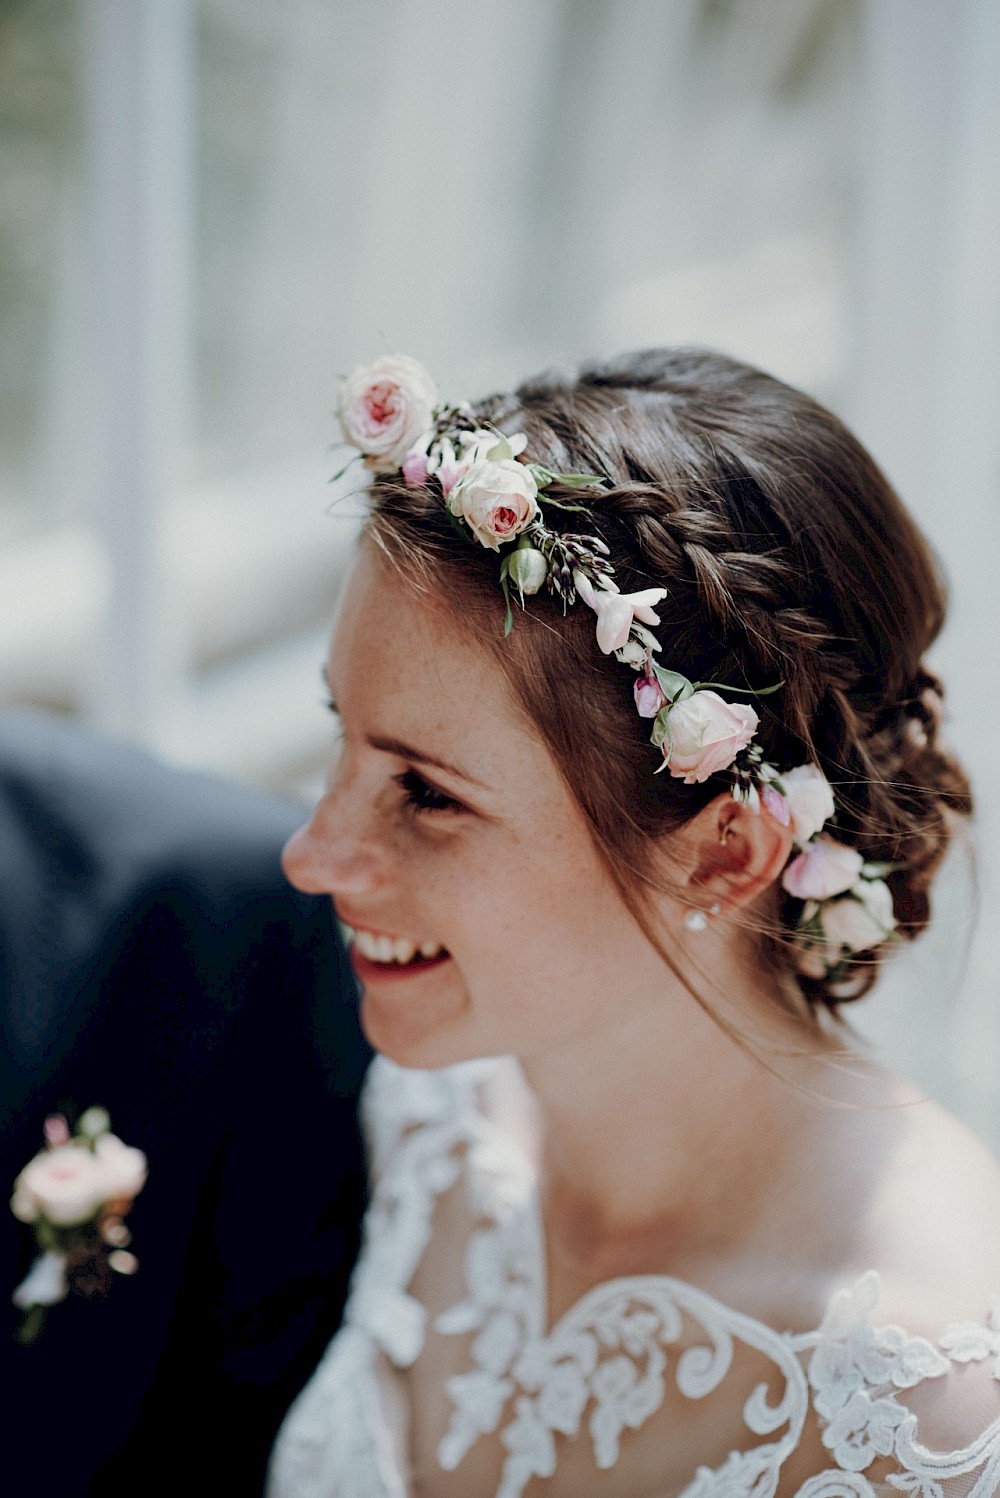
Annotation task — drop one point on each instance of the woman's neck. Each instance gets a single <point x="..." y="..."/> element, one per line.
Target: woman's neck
<point x="667" y="1130"/>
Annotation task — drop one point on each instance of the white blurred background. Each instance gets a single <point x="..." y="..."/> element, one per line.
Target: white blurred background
<point x="211" y="208"/>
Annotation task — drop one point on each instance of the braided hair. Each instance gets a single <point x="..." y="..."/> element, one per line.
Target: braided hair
<point x="786" y="555"/>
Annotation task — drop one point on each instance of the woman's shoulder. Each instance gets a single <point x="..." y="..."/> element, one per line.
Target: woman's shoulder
<point x="907" y="1298"/>
<point x="887" y="1350"/>
<point x="932" y="1223"/>
<point x="892" y="1295"/>
<point x="889" y="1180"/>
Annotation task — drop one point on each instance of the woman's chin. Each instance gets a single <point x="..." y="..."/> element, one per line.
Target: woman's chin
<point x="416" y="1021"/>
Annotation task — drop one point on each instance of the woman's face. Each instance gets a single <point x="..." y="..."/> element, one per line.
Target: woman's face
<point x="447" y="830"/>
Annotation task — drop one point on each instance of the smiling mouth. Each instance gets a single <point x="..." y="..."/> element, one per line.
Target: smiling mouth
<point x="394" y="953"/>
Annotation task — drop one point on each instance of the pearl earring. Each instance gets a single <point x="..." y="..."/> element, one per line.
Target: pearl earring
<point x="697" y="920"/>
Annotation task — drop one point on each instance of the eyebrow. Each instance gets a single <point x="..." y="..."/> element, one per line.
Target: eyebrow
<point x="407" y="751"/>
<point x="420" y="757"/>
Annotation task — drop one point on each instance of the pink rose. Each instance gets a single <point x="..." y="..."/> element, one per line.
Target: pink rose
<point x="810" y="800"/>
<point x="705" y="734"/>
<point x="497" y="500"/>
<point x="384" y="407"/>
<point x="824" y="868"/>
<point x="649" y="695"/>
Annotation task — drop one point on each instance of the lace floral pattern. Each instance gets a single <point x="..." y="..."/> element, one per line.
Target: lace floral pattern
<point x="332" y="1441"/>
<point x="605" y="1365"/>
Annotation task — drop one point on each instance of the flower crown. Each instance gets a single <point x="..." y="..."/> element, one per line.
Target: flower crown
<point x="390" y="412"/>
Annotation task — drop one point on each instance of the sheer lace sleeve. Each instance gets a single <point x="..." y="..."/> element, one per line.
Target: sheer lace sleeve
<point x="900" y="1413"/>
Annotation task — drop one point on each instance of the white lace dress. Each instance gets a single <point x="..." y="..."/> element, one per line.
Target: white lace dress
<point x="607" y="1367"/>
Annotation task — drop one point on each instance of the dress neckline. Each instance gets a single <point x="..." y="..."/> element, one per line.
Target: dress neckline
<point x="608" y="1351"/>
<point x="604" y="1366"/>
<point x="523" y="1172"/>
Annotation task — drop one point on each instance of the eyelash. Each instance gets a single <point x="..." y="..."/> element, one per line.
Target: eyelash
<point x="422" y="796"/>
<point x="418" y="792"/>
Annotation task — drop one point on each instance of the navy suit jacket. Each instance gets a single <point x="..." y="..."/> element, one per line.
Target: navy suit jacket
<point x="153" y="960"/>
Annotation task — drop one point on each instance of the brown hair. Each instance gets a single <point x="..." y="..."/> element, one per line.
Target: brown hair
<point x="786" y="555"/>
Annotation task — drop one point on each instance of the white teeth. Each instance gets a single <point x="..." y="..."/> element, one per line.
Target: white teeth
<point x="393" y="949"/>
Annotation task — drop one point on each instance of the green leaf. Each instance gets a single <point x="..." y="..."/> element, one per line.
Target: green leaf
<point x="501" y="451"/>
<point x="508" y="623"/>
<point x="661" y="731"/>
<point x="675" y="686"/>
<point x="341" y="471"/>
<point x="579" y="480"/>
<point x="505" y="578"/>
<point x="32" y="1325"/>
<point x="541" y="476"/>
<point x="723" y="686"/>
<point x="46" y="1236"/>
<point x="563" y="504"/>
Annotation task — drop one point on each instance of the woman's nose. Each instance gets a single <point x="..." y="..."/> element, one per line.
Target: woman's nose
<point x="329" y="855"/>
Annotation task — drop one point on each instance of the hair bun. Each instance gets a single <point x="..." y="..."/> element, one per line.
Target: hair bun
<point x="923" y="707"/>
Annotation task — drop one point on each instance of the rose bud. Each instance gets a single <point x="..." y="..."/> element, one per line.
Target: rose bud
<point x="93" y="1122"/>
<point x="527" y="569"/>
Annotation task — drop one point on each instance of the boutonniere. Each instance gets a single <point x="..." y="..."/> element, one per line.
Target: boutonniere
<point x="75" y="1195"/>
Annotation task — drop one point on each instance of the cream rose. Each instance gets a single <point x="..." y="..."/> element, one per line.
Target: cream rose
<point x="497" y="500"/>
<point x="810" y="800"/>
<point x="384" y="407"/>
<point x="860" y="920"/>
<point x="66" y="1184"/>
<point x="123" y="1169"/>
<point x="705" y="734"/>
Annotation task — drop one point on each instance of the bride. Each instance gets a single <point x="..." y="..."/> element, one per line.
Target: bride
<point x="640" y="783"/>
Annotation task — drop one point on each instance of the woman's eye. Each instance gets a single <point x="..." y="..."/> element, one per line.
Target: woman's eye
<point x="422" y="796"/>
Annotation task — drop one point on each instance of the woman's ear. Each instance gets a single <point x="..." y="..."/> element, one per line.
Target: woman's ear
<point x="735" y="853"/>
